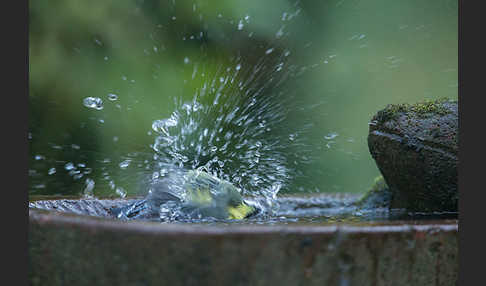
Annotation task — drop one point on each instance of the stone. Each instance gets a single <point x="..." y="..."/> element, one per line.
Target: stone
<point x="71" y="249"/>
<point x="415" y="147"/>
<point x="378" y="196"/>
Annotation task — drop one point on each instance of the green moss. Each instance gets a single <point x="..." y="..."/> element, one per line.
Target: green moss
<point x="421" y="109"/>
<point x="431" y="107"/>
<point x="379" y="195"/>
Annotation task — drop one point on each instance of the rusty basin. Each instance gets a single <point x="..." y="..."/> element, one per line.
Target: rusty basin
<point x="75" y="249"/>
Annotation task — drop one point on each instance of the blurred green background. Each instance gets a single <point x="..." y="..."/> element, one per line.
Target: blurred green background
<point x="355" y="56"/>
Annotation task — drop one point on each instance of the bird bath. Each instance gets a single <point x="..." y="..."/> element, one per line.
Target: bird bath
<point x="89" y="247"/>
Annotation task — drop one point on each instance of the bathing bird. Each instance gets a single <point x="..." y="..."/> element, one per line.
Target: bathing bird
<point x="194" y="194"/>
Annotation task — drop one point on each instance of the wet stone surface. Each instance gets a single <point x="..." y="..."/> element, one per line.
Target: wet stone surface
<point x="72" y="249"/>
<point x="415" y="148"/>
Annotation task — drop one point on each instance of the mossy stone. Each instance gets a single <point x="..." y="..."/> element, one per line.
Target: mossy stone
<point x="378" y="196"/>
<point x="415" y="147"/>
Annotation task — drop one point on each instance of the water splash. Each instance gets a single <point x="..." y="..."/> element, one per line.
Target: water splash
<point x="235" y="127"/>
<point x="88" y="190"/>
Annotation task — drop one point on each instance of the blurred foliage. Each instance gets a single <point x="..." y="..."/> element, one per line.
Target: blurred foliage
<point x="357" y="56"/>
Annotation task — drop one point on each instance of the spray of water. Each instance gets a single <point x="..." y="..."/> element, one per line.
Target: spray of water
<point x="235" y="127"/>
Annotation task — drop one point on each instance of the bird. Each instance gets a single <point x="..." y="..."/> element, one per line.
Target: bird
<point x="193" y="194"/>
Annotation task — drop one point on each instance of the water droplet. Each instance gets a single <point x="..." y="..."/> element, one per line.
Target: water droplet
<point x="240" y="25"/>
<point x="88" y="189"/>
<point x="112" y="96"/>
<point x="163" y="172"/>
<point x="93" y="102"/>
<point x="51" y="171"/>
<point x="121" y="192"/>
<point x="125" y="164"/>
<point x="269" y="51"/>
<point x="163" y="125"/>
<point x="331" y="135"/>
<point x="77" y="176"/>
<point x="39" y="157"/>
<point x="186" y="60"/>
<point x="69" y="166"/>
<point x="238" y="67"/>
